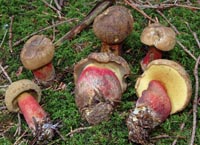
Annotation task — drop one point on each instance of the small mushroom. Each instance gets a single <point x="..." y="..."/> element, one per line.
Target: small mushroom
<point x="37" y="55"/>
<point x="100" y="82"/>
<point x="159" y="38"/>
<point x="23" y="96"/>
<point x="112" y="27"/>
<point x="163" y="89"/>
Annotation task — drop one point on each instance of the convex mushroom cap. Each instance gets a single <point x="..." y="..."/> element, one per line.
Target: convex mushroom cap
<point x="37" y="52"/>
<point x="163" y="38"/>
<point x="173" y="77"/>
<point x="113" y="25"/>
<point x="17" y="88"/>
<point x="105" y="60"/>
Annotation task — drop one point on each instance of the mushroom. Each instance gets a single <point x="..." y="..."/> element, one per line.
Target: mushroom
<point x="159" y="38"/>
<point x="163" y="89"/>
<point x="23" y="96"/>
<point x="112" y="27"/>
<point x="36" y="55"/>
<point x="99" y="84"/>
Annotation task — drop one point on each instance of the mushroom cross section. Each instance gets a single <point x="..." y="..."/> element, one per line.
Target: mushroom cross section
<point x="174" y="78"/>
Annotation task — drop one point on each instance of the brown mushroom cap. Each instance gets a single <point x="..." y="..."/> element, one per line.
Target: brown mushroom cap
<point x="18" y="87"/>
<point x="174" y="78"/>
<point x="105" y="60"/>
<point x="37" y="52"/>
<point x="113" y="25"/>
<point x="163" y="38"/>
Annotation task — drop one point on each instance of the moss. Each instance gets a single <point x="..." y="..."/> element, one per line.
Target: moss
<point x="31" y="16"/>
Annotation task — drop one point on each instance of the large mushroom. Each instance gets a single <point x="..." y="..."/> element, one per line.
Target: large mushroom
<point x="159" y="38"/>
<point x="112" y="27"/>
<point x="23" y="96"/>
<point x="163" y="89"/>
<point x="37" y="55"/>
<point x="100" y="82"/>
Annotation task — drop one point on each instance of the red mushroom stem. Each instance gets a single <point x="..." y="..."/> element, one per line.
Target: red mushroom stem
<point x="152" y="54"/>
<point x="30" y="108"/>
<point x="152" y="108"/>
<point x="34" y="115"/>
<point x="45" y="73"/>
<point x="114" y="48"/>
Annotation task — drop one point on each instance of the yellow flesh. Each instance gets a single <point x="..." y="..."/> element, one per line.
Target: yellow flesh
<point x="173" y="82"/>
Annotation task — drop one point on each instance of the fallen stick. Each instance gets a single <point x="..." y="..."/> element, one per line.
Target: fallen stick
<point x="194" y="34"/>
<point x="130" y="3"/>
<point x="195" y="102"/>
<point x="10" y="34"/>
<point x="99" y="8"/>
<point x="43" y="29"/>
<point x="78" y="130"/>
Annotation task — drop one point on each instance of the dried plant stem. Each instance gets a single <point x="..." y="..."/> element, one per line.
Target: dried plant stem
<point x="165" y="6"/>
<point x="18" y="130"/>
<point x="17" y="141"/>
<point x="194" y="34"/>
<point x="195" y="102"/>
<point x="78" y="130"/>
<point x="177" y="32"/>
<point x="186" y="50"/>
<point x="57" y="5"/>
<point x="173" y="27"/>
<point x="10" y="34"/>
<point x="4" y="36"/>
<point x="53" y="8"/>
<point x="43" y="29"/>
<point x="132" y="4"/>
<point x="181" y="128"/>
<point x="85" y="22"/>
<point x="5" y="73"/>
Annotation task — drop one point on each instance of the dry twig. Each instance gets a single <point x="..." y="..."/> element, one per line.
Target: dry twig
<point x="57" y="5"/>
<point x="195" y="102"/>
<point x="85" y="22"/>
<point x="181" y="129"/>
<point x="10" y="34"/>
<point x="3" y="39"/>
<point x="165" y="6"/>
<point x="17" y="141"/>
<point x="43" y="29"/>
<point x="5" y="73"/>
<point x="53" y="8"/>
<point x="132" y="4"/>
<point x="18" y="130"/>
<point x="78" y="130"/>
<point x="194" y="34"/>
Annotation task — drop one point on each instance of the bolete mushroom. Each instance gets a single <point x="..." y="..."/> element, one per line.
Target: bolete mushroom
<point x="159" y="38"/>
<point x="37" y="55"/>
<point x="23" y="96"/>
<point x="163" y="89"/>
<point x="112" y="27"/>
<point x="100" y="82"/>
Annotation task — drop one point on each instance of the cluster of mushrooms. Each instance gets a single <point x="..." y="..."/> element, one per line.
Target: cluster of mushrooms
<point x="164" y="88"/>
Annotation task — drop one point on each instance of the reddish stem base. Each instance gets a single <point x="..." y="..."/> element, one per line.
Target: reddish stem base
<point x="151" y="55"/>
<point x="31" y="109"/>
<point x="111" y="48"/>
<point x="152" y="108"/>
<point x="35" y="116"/>
<point x="45" y="73"/>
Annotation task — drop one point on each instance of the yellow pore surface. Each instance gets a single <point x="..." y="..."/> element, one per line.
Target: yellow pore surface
<point x="178" y="85"/>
